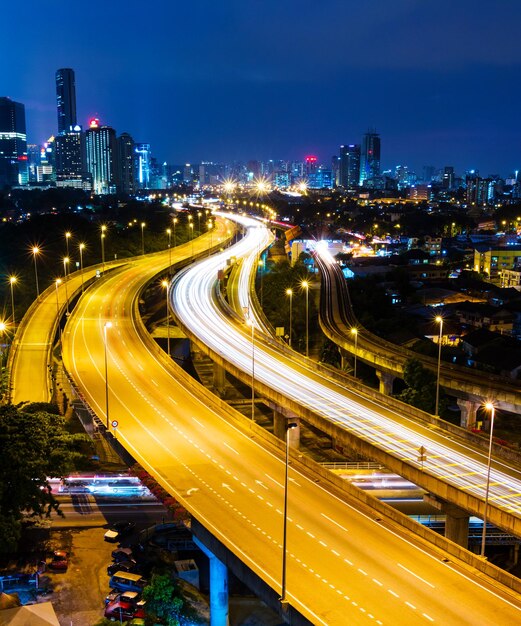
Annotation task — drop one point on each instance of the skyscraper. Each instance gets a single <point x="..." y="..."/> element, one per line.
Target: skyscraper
<point x="143" y="156"/>
<point x="101" y="157"/>
<point x="370" y="156"/>
<point x="349" y="173"/>
<point x="69" y="159"/>
<point x="126" y="164"/>
<point x="66" y="99"/>
<point x="13" y="143"/>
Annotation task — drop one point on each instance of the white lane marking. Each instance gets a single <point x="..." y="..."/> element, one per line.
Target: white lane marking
<point x="334" y="522"/>
<point x="226" y="486"/>
<point x="156" y="384"/>
<point x="275" y="481"/>
<point x="393" y="593"/>
<point x="377" y="582"/>
<point x="261" y="484"/>
<point x="175" y="402"/>
<point x="428" y="617"/>
<point x="411" y="605"/>
<point x="230" y="448"/>
<point x="416" y="576"/>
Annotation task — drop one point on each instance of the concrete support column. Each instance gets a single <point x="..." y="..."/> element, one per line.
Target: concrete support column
<point x="456" y="520"/>
<point x="514" y="554"/>
<point x="218" y="588"/>
<point x="280" y="422"/>
<point x="386" y="382"/>
<point x="345" y="363"/>
<point x="219" y="379"/>
<point x="468" y="410"/>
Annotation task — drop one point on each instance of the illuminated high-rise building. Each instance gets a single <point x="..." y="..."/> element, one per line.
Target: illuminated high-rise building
<point x="349" y="171"/>
<point x="126" y="164"/>
<point x="66" y="99"/>
<point x="69" y="161"/>
<point x="101" y="157"/>
<point x="142" y="156"/>
<point x="13" y="143"/>
<point x="370" y="156"/>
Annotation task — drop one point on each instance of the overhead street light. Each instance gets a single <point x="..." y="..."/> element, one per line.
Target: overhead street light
<point x="143" y="238"/>
<point x="174" y="222"/>
<point x="65" y="263"/>
<point x="490" y="407"/>
<point x="12" y="282"/>
<point x="354" y="332"/>
<point x="36" y="251"/>
<point x="169" y="233"/>
<point x="68" y="235"/>
<point x="289" y="292"/>
<point x="105" y="326"/>
<point x="438" y="319"/>
<point x="102" y="237"/>
<point x="82" y="248"/>
<point x="283" y="600"/>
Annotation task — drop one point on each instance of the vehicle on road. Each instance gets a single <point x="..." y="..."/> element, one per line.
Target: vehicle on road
<point x="118" y="530"/>
<point x="59" y="560"/>
<point x="123" y="611"/>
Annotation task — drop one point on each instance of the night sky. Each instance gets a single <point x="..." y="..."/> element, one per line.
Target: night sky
<point x="259" y="79"/>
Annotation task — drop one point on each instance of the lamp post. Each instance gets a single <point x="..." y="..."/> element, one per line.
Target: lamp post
<point x="36" y="251"/>
<point x="191" y="226"/>
<point x="65" y="262"/>
<point x="143" y="237"/>
<point x="3" y="329"/>
<point x="289" y="292"/>
<point x="12" y="281"/>
<point x="68" y="235"/>
<point x="174" y="222"/>
<point x="283" y="600"/>
<point x="438" y="319"/>
<point x="82" y="248"/>
<point x="354" y="332"/>
<point x="57" y="283"/>
<point x="169" y="233"/>
<point x="164" y="284"/>
<point x="105" y="326"/>
<point x="198" y="222"/>
<point x="490" y="407"/>
<point x="209" y="226"/>
<point x="102" y="236"/>
<point x="250" y="323"/>
<point x="305" y="285"/>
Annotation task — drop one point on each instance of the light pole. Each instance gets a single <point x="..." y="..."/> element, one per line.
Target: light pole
<point x="68" y="235"/>
<point x="174" y="222"/>
<point x="105" y="326"/>
<point x="164" y="284"/>
<point x="261" y="267"/>
<point x="250" y="323"/>
<point x="36" y="251"/>
<point x="191" y="226"/>
<point x="12" y="281"/>
<point x="57" y="282"/>
<point x="354" y="332"/>
<point x="3" y="329"/>
<point x="82" y="248"/>
<point x="305" y="285"/>
<point x="490" y="407"/>
<point x="289" y="292"/>
<point x="283" y="600"/>
<point x="209" y="226"/>
<point x="169" y="233"/>
<point x="65" y="262"/>
<point x="198" y="222"/>
<point x="103" y="229"/>
<point x="438" y="319"/>
<point x="143" y="238"/>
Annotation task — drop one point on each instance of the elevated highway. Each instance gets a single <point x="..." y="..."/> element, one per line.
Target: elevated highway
<point x="344" y="566"/>
<point x="337" y="318"/>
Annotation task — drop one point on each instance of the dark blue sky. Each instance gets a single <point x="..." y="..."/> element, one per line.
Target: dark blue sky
<point x="241" y="79"/>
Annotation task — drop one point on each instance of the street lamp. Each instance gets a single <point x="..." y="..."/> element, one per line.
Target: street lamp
<point x="3" y="329"/>
<point x="174" y="222"/>
<point x="191" y="226"/>
<point x="438" y="319"/>
<point x="354" y="332"/>
<point x="12" y="281"/>
<point x="105" y="326"/>
<point x="490" y="407"/>
<point x="143" y="237"/>
<point x="68" y="235"/>
<point x="65" y="262"/>
<point x="169" y="233"/>
<point x="289" y="292"/>
<point x="283" y="600"/>
<point x="164" y="284"/>
<point x="103" y="229"/>
<point x="250" y="323"/>
<point x="36" y="251"/>
<point x="82" y="248"/>
<point x="198" y="222"/>
<point x="305" y="285"/>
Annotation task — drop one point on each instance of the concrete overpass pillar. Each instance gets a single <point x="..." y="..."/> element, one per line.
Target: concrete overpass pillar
<point x="386" y="382"/>
<point x="219" y="379"/>
<point x="456" y="520"/>
<point x="280" y="423"/>
<point x="218" y="588"/>
<point x="468" y="410"/>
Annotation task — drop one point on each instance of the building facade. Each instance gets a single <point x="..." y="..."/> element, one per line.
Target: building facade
<point x="66" y="99"/>
<point x="101" y="157"/>
<point x="13" y="143"/>
<point x="370" y="157"/>
<point x="349" y="171"/>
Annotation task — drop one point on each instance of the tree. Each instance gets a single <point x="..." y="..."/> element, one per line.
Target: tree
<point x="421" y="386"/>
<point x="35" y="446"/>
<point x="166" y="601"/>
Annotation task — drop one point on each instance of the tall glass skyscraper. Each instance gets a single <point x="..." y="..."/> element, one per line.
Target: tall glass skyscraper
<point x="13" y="143"/>
<point x="370" y="156"/>
<point x="101" y="151"/>
<point x="66" y="99"/>
<point x="349" y="166"/>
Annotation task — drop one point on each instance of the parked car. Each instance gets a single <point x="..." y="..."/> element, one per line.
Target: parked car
<point x="132" y="597"/>
<point x="59" y="560"/>
<point x="122" y="554"/>
<point x="118" y="530"/>
<point x="123" y="611"/>
<point x="123" y="566"/>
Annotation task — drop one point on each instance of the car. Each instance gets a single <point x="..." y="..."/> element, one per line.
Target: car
<point x="132" y="597"/>
<point x="121" y="554"/>
<point x="118" y="530"/>
<point x="59" y="560"/>
<point x="123" y="566"/>
<point x="123" y="611"/>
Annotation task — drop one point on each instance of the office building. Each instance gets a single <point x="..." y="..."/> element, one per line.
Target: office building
<point x="101" y="157"/>
<point x="349" y="170"/>
<point x="142" y="161"/>
<point x="68" y="149"/>
<point x="370" y="157"/>
<point x="126" y="178"/>
<point x="13" y="143"/>
<point x="66" y="99"/>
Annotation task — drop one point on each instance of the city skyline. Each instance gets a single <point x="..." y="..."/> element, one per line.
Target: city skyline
<point x="235" y="82"/>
